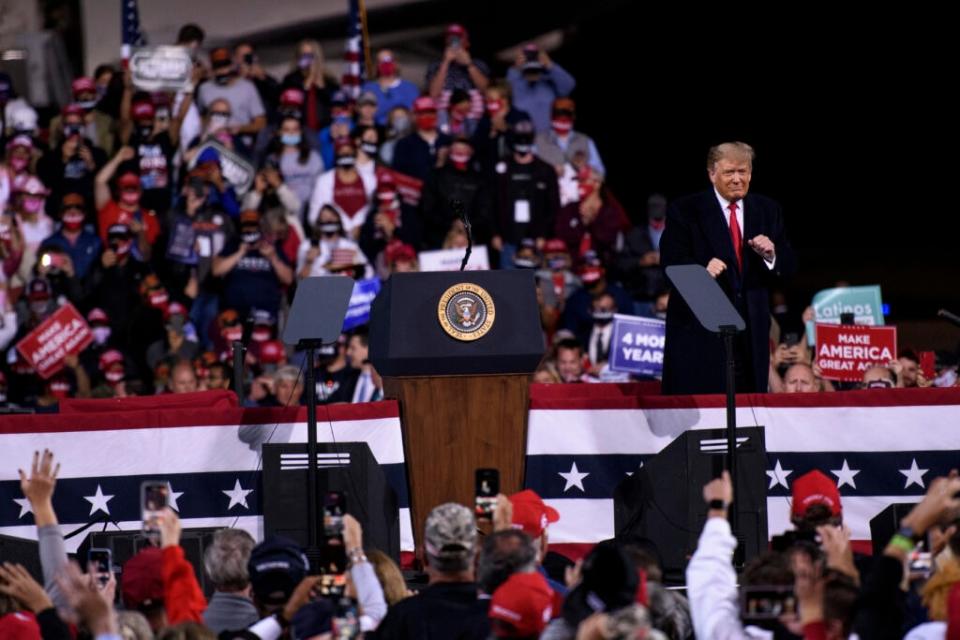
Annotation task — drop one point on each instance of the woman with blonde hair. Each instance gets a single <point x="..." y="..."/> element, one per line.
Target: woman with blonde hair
<point x="389" y="576"/>
<point x="308" y="74"/>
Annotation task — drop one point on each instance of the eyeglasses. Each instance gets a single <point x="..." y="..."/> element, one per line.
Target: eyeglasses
<point x="225" y="114"/>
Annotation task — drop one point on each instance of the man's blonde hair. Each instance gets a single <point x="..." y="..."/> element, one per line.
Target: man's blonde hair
<point x="732" y="150"/>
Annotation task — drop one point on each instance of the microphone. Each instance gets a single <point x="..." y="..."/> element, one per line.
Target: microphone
<point x="952" y="318"/>
<point x="461" y="211"/>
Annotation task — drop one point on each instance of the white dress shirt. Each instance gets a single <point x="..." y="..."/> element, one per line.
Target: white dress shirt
<point x="725" y="207"/>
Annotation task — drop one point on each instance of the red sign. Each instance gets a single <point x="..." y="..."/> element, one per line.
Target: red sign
<point x="844" y="352"/>
<point x="62" y="334"/>
<point x="408" y="187"/>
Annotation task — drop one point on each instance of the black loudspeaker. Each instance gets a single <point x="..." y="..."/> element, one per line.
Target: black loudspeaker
<point x="24" y="552"/>
<point x="126" y="544"/>
<point x="663" y="501"/>
<point x="886" y="523"/>
<point x="348" y="467"/>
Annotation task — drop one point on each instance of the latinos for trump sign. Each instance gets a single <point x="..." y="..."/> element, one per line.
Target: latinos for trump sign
<point x="844" y="352"/>
<point x="865" y="303"/>
<point x="62" y="334"/>
<point x="637" y="345"/>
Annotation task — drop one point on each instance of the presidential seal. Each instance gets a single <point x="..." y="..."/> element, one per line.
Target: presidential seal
<point x="466" y="311"/>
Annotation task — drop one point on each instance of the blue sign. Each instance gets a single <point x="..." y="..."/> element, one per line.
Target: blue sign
<point x="637" y="345"/>
<point x="358" y="313"/>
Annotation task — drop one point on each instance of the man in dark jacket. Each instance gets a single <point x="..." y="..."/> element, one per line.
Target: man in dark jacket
<point x="741" y="241"/>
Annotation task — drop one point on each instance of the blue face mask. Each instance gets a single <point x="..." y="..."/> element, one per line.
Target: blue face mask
<point x="290" y="139"/>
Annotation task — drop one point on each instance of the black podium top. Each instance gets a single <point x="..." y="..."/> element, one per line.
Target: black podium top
<point x="426" y="324"/>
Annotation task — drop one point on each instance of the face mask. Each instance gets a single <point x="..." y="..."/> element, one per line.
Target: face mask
<point x="114" y="375"/>
<point x="494" y="107"/>
<point x="524" y="263"/>
<point x="290" y="139"/>
<point x="401" y="125"/>
<point x="100" y="335"/>
<point x="32" y="205"/>
<point x="87" y="104"/>
<point x="387" y="68"/>
<point x="70" y="130"/>
<point x="158" y="299"/>
<point x="19" y="163"/>
<point x="223" y="80"/>
<point x="305" y="61"/>
<point x="329" y="227"/>
<point x="460" y="160"/>
<point x="562" y="126"/>
<point x="346" y="161"/>
<point x="218" y="121"/>
<point x="557" y="264"/>
<point x="369" y="148"/>
<point x="39" y="308"/>
<point x="426" y="121"/>
<point x="72" y="220"/>
<point x="122" y="247"/>
<point x="602" y="317"/>
<point x="251" y="237"/>
<point x="130" y="198"/>
<point x="58" y="389"/>
<point x="232" y="333"/>
<point x="522" y="149"/>
<point x="260" y="335"/>
<point x="586" y="189"/>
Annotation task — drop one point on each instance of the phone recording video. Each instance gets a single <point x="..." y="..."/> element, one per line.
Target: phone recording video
<point x="487" y="487"/>
<point x="100" y="565"/>
<point x="153" y="500"/>
<point x="333" y="553"/>
<point x="767" y="602"/>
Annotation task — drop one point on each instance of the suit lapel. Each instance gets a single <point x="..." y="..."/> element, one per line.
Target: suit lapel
<point x="715" y="227"/>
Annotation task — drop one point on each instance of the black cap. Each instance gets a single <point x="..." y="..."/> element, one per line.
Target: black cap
<point x="276" y="567"/>
<point x="609" y="583"/>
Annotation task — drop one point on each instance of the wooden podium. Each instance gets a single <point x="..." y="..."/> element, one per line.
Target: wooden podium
<point x="456" y="349"/>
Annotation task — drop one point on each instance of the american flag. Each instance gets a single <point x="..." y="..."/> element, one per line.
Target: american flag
<point x="353" y="53"/>
<point x="880" y="446"/>
<point x="130" y="27"/>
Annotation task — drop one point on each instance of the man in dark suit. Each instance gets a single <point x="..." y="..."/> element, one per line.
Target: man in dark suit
<point x="741" y="241"/>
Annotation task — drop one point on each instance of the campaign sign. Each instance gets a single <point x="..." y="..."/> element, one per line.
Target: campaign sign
<point x="62" y="334"/>
<point x="358" y="311"/>
<point x="844" y="352"/>
<point x="637" y="345"/>
<point x="163" y="68"/>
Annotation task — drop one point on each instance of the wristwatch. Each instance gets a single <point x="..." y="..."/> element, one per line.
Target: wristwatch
<point x="717" y="504"/>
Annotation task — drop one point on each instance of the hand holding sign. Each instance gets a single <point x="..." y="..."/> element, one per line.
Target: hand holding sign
<point x="763" y="246"/>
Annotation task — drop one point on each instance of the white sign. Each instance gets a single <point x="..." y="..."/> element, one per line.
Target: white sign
<point x="162" y="68"/>
<point x="450" y="259"/>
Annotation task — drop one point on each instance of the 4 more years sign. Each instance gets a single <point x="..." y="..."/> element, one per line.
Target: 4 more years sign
<point x="844" y="352"/>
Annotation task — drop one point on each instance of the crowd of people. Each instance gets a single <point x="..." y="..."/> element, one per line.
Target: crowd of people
<point x="121" y="206"/>
<point x="495" y="577"/>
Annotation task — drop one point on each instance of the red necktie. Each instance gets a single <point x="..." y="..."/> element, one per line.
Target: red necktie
<point x="735" y="237"/>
